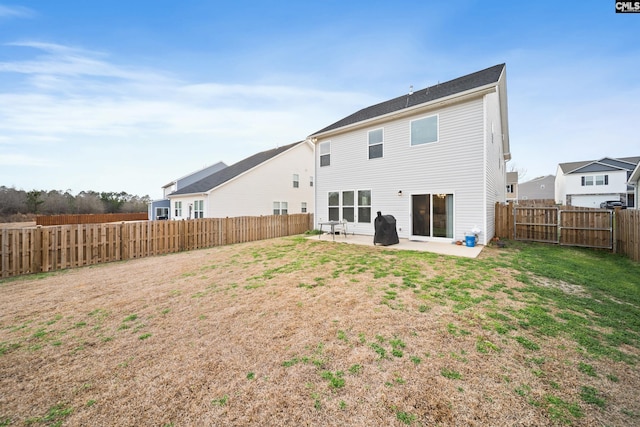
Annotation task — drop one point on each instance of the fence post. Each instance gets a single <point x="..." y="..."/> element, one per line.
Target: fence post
<point x="614" y="229"/>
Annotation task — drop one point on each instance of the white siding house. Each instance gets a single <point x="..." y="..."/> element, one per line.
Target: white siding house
<point x="434" y="159"/>
<point x="277" y="181"/>
<point x="634" y="182"/>
<point x="160" y="209"/>
<point x="589" y="183"/>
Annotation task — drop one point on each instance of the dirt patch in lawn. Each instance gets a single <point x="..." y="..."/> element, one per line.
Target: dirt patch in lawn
<point x="292" y="332"/>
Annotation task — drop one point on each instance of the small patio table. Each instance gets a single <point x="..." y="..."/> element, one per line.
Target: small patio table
<point x="331" y="224"/>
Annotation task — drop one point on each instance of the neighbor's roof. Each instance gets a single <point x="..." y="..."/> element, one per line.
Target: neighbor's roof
<point x="211" y="169"/>
<point x="441" y="90"/>
<point x="230" y="172"/>
<point x="604" y="164"/>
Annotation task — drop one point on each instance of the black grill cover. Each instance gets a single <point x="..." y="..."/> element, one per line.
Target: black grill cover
<point x="385" y="227"/>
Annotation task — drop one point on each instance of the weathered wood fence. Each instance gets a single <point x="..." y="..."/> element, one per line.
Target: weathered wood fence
<point x="618" y="230"/>
<point x="40" y="249"/>
<point x="89" y="218"/>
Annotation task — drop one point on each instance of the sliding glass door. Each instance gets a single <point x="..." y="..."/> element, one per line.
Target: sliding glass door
<point x="432" y="215"/>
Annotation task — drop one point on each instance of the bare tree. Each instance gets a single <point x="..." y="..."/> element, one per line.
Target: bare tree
<point x="522" y="172"/>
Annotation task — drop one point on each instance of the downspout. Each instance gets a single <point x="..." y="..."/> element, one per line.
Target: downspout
<point x="484" y="169"/>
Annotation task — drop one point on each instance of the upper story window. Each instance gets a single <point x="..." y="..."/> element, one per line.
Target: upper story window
<point x="296" y="180"/>
<point x="376" y="139"/>
<point x="424" y="131"/>
<point x="325" y="153"/>
<point x="509" y="188"/>
<point x="594" y="180"/>
<point x="311" y="181"/>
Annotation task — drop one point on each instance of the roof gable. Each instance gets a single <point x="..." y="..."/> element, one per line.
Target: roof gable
<point x="605" y="164"/>
<point x="196" y="176"/>
<point x="215" y="180"/>
<point x="441" y="90"/>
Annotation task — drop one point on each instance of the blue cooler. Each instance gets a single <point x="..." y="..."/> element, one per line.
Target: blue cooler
<point x="470" y="241"/>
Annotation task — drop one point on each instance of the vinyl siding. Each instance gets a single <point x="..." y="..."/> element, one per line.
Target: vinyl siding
<point x="253" y="193"/>
<point x="495" y="167"/>
<point x="454" y="165"/>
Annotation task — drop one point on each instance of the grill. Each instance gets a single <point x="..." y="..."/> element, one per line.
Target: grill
<point x="385" y="230"/>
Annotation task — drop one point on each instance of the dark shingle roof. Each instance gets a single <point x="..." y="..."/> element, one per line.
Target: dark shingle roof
<point x="572" y="166"/>
<point x="441" y="90"/>
<point x="230" y="172"/>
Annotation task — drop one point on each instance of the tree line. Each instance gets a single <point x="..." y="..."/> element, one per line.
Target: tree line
<point x="19" y="203"/>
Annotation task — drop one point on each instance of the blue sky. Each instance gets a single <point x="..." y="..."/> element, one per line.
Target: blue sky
<point x="128" y="95"/>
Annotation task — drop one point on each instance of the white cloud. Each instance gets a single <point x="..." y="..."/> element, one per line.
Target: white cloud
<point x="15" y="12"/>
<point x="81" y="109"/>
<point x="22" y="160"/>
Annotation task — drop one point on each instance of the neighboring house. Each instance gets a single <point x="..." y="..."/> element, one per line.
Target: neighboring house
<point x="512" y="186"/>
<point x="160" y="209"/>
<point x="589" y="183"/>
<point x="273" y="182"/>
<point x="434" y="159"/>
<point x="540" y="188"/>
<point x="634" y="182"/>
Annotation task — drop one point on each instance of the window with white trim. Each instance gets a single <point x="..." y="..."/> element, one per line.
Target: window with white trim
<point x="198" y="209"/>
<point x="589" y="180"/>
<point x="424" y="131"/>
<point x="178" y="209"/>
<point x="376" y="140"/>
<point x="310" y="181"/>
<point x="348" y="203"/>
<point x="280" y="208"/>
<point x="303" y="207"/>
<point x="325" y="153"/>
<point x="364" y="206"/>
<point x="296" y="180"/>
<point x="162" y="213"/>
<point x="334" y="205"/>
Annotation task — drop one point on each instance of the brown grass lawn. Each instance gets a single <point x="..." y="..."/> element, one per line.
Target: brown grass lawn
<point x="294" y="332"/>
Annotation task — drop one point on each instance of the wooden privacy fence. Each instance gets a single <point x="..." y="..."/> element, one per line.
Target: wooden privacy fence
<point x="89" y="218"/>
<point x="41" y="249"/>
<point x="618" y="230"/>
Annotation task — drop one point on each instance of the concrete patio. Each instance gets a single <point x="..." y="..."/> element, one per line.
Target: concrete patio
<point x="405" y="244"/>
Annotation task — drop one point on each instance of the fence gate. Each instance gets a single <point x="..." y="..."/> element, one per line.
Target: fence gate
<point x="591" y="228"/>
<point x="535" y="224"/>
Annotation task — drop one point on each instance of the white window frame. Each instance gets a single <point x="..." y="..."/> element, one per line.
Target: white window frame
<point x="296" y="180"/>
<point x="310" y="180"/>
<point x="375" y="143"/>
<point x="162" y="211"/>
<point x="325" y="152"/>
<point x="437" y="117"/>
<point x="198" y="209"/>
<point x="359" y="206"/>
<point x="344" y="206"/>
<point x="330" y="206"/>
<point x="280" y="208"/>
<point x="303" y="207"/>
<point x="178" y="208"/>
